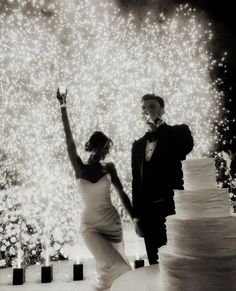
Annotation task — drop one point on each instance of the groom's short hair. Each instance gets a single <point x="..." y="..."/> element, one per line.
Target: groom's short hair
<point x="154" y="97"/>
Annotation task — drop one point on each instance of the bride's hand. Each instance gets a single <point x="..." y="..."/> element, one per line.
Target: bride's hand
<point x="61" y="97"/>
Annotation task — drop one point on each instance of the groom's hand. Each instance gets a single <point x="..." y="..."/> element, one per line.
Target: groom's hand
<point x="153" y="123"/>
<point x="137" y="227"/>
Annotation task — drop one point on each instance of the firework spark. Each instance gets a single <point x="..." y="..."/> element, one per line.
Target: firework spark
<point x="107" y="61"/>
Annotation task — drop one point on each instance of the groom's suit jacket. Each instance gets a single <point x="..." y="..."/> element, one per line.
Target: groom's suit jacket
<point x="156" y="179"/>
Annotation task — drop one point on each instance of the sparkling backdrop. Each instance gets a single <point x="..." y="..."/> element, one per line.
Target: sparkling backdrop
<point x="107" y="61"/>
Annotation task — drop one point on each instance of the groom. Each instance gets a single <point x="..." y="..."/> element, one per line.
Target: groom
<point x="156" y="172"/>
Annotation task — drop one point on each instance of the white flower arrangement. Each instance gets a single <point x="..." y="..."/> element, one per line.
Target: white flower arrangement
<point x="23" y="225"/>
<point x="2" y="263"/>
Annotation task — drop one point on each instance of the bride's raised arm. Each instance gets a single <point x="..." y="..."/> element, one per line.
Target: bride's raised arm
<point x="71" y="147"/>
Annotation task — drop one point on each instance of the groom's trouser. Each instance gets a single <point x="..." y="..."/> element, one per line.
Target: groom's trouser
<point x="153" y="224"/>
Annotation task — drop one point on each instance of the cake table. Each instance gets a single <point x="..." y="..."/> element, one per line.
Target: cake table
<point x="142" y="279"/>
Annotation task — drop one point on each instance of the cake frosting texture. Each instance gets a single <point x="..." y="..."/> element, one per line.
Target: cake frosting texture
<point x="209" y="237"/>
<point x="190" y="273"/>
<point x="202" y="203"/>
<point x="199" y="174"/>
<point x="200" y="254"/>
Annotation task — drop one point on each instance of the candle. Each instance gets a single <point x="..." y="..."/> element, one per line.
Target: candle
<point x="78" y="272"/>
<point x="46" y="274"/>
<point x="19" y="272"/>
<point x="46" y="270"/>
<point x="18" y="276"/>
<point x="138" y="263"/>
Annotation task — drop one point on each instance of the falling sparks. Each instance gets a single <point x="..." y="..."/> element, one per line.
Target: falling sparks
<point x="107" y="61"/>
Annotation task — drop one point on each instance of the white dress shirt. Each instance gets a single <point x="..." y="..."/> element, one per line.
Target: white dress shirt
<point x="150" y="146"/>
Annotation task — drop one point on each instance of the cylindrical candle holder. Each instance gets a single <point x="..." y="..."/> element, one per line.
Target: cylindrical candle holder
<point x="138" y="263"/>
<point x="78" y="272"/>
<point x="18" y="276"/>
<point x="46" y="274"/>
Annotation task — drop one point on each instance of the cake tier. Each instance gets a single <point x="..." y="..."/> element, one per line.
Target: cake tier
<point x="205" y="237"/>
<point x="185" y="273"/>
<point x="199" y="174"/>
<point x="202" y="203"/>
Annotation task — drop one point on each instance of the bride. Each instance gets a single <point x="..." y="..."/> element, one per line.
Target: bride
<point x="100" y="222"/>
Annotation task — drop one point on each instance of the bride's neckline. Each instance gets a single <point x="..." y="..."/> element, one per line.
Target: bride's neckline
<point x="105" y="175"/>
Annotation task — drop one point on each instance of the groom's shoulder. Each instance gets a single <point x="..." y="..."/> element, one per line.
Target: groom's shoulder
<point x="138" y="142"/>
<point x="180" y="127"/>
<point x="140" y="139"/>
<point x="181" y="130"/>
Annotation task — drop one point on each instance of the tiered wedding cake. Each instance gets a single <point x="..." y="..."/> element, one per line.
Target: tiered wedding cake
<point x="200" y="254"/>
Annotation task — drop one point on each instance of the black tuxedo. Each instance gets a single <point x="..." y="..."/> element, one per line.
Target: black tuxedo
<point x="153" y="181"/>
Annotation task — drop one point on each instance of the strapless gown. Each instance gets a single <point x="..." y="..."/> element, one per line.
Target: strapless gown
<point x="101" y="230"/>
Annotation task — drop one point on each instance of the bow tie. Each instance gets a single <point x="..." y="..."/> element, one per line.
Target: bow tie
<point x="152" y="135"/>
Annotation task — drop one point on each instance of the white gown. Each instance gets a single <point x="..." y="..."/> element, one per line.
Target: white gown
<point x="101" y="230"/>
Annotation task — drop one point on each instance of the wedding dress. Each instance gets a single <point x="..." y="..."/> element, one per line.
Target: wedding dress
<point x="101" y="230"/>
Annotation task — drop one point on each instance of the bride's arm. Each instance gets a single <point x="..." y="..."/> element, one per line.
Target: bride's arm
<point x="119" y="188"/>
<point x="71" y="147"/>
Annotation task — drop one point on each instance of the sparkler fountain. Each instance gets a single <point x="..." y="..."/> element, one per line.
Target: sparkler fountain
<point x="107" y="61"/>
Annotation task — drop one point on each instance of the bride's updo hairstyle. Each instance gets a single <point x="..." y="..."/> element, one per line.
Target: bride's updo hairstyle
<point x="98" y="141"/>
